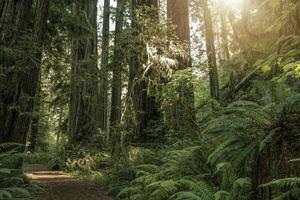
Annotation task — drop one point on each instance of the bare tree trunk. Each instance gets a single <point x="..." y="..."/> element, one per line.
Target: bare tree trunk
<point x="34" y="130"/>
<point x="116" y="104"/>
<point x="211" y="52"/>
<point x="104" y="67"/>
<point x="224" y="35"/>
<point x="178" y="13"/>
<point x="18" y="88"/>
<point x="84" y="80"/>
<point x="59" y="128"/>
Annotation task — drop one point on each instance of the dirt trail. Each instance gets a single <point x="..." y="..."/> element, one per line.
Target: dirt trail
<point x="60" y="186"/>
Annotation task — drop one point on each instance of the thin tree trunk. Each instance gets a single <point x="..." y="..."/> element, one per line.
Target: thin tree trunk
<point x="59" y="128"/>
<point x="224" y="35"/>
<point x="104" y="67"/>
<point x="117" y="78"/>
<point x="211" y="52"/>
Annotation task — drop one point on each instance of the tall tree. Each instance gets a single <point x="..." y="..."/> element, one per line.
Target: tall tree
<point x="224" y="35"/>
<point x="21" y="54"/>
<point x="34" y="128"/>
<point x="116" y="103"/>
<point x="104" y="67"/>
<point x="182" y="116"/>
<point x="84" y="80"/>
<point x="145" y="108"/>
<point x="178" y="13"/>
<point x="210" y="51"/>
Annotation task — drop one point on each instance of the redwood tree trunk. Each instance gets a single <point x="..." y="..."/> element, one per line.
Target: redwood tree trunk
<point x="210" y="51"/>
<point x="21" y="66"/>
<point x="224" y="36"/>
<point x="182" y="111"/>
<point x="116" y="101"/>
<point x="145" y="107"/>
<point x="84" y="80"/>
<point x="104" y="67"/>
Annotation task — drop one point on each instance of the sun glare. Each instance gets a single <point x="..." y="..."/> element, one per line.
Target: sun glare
<point x="232" y="3"/>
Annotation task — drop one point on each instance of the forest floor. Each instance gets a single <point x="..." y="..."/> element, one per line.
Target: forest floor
<point x="57" y="185"/>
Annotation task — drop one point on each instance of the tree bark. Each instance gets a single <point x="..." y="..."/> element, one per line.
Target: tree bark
<point x="104" y="67"/>
<point x="116" y="101"/>
<point x="211" y="52"/>
<point x="34" y="130"/>
<point x="21" y="66"/>
<point x="178" y="13"/>
<point x="59" y="128"/>
<point x="84" y="80"/>
<point x="181" y="118"/>
<point x="145" y="106"/>
<point x="224" y="35"/>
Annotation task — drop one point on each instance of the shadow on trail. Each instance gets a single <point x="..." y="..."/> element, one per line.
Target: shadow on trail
<point x="58" y="185"/>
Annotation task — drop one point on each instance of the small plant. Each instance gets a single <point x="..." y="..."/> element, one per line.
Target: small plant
<point x="13" y="183"/>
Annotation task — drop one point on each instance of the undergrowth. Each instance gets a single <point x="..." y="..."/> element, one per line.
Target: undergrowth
<point x="14" y="184"/>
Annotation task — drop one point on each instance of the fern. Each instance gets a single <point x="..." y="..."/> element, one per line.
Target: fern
<point x="284" y="183"/>
<point x="129" y="192"/>
<point x="242" y="189"/>
<point x="186" y="196"/>
<point x="222" y="195"/>
<point x="162" y="189"/>
<point x="13" y="183"/>
<point x="291" y="194"/>
<point x="295" y="160"/>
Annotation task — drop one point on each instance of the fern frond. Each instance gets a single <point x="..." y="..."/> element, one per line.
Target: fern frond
<point x="129" y="191"/>
<point x="189" y="185"/>
<point x="294" y="160"/>
<point x="4" y="194"/>
<point x="148" y="168"/>
<point x="18" y="192"/>
<point x="161" y="190"/>
<point x="221" y="195"/>
<point x="291" y="194"/>
<point x="186" y="196"/>
<point x="284" y="183"/>
<point x="227" y="146"/>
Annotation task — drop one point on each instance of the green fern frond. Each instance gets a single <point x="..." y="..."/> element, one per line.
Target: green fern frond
<point x="284" y="183"/>
<point x="242" y="189"/>
<point x="130" y="191"/>
<point x="21" y="192"/>
<point x="146" y="179"/>
<point x="227" y="146"/>
<point x="221" y="195"/>
<point x="148" y="168"/>
<point x="4" y="194"/>
<point x="10" y="145"/>
<point x="169" y="171"/>
<point x="296" y="160"/>
<point x="291" y="194"/>
<point x="189" y="185"/>
<point x="161" y="190"/>
<point x="186" y="196"/>
<point x="268" y="139"/>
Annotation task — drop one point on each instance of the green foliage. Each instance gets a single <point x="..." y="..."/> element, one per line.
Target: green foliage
<point x="288" y="188"/>
<point x="85" y="161"/>
<point x="168" y="178"/>
<point x="13" y="183"/>
<point x="284" y="183"/>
